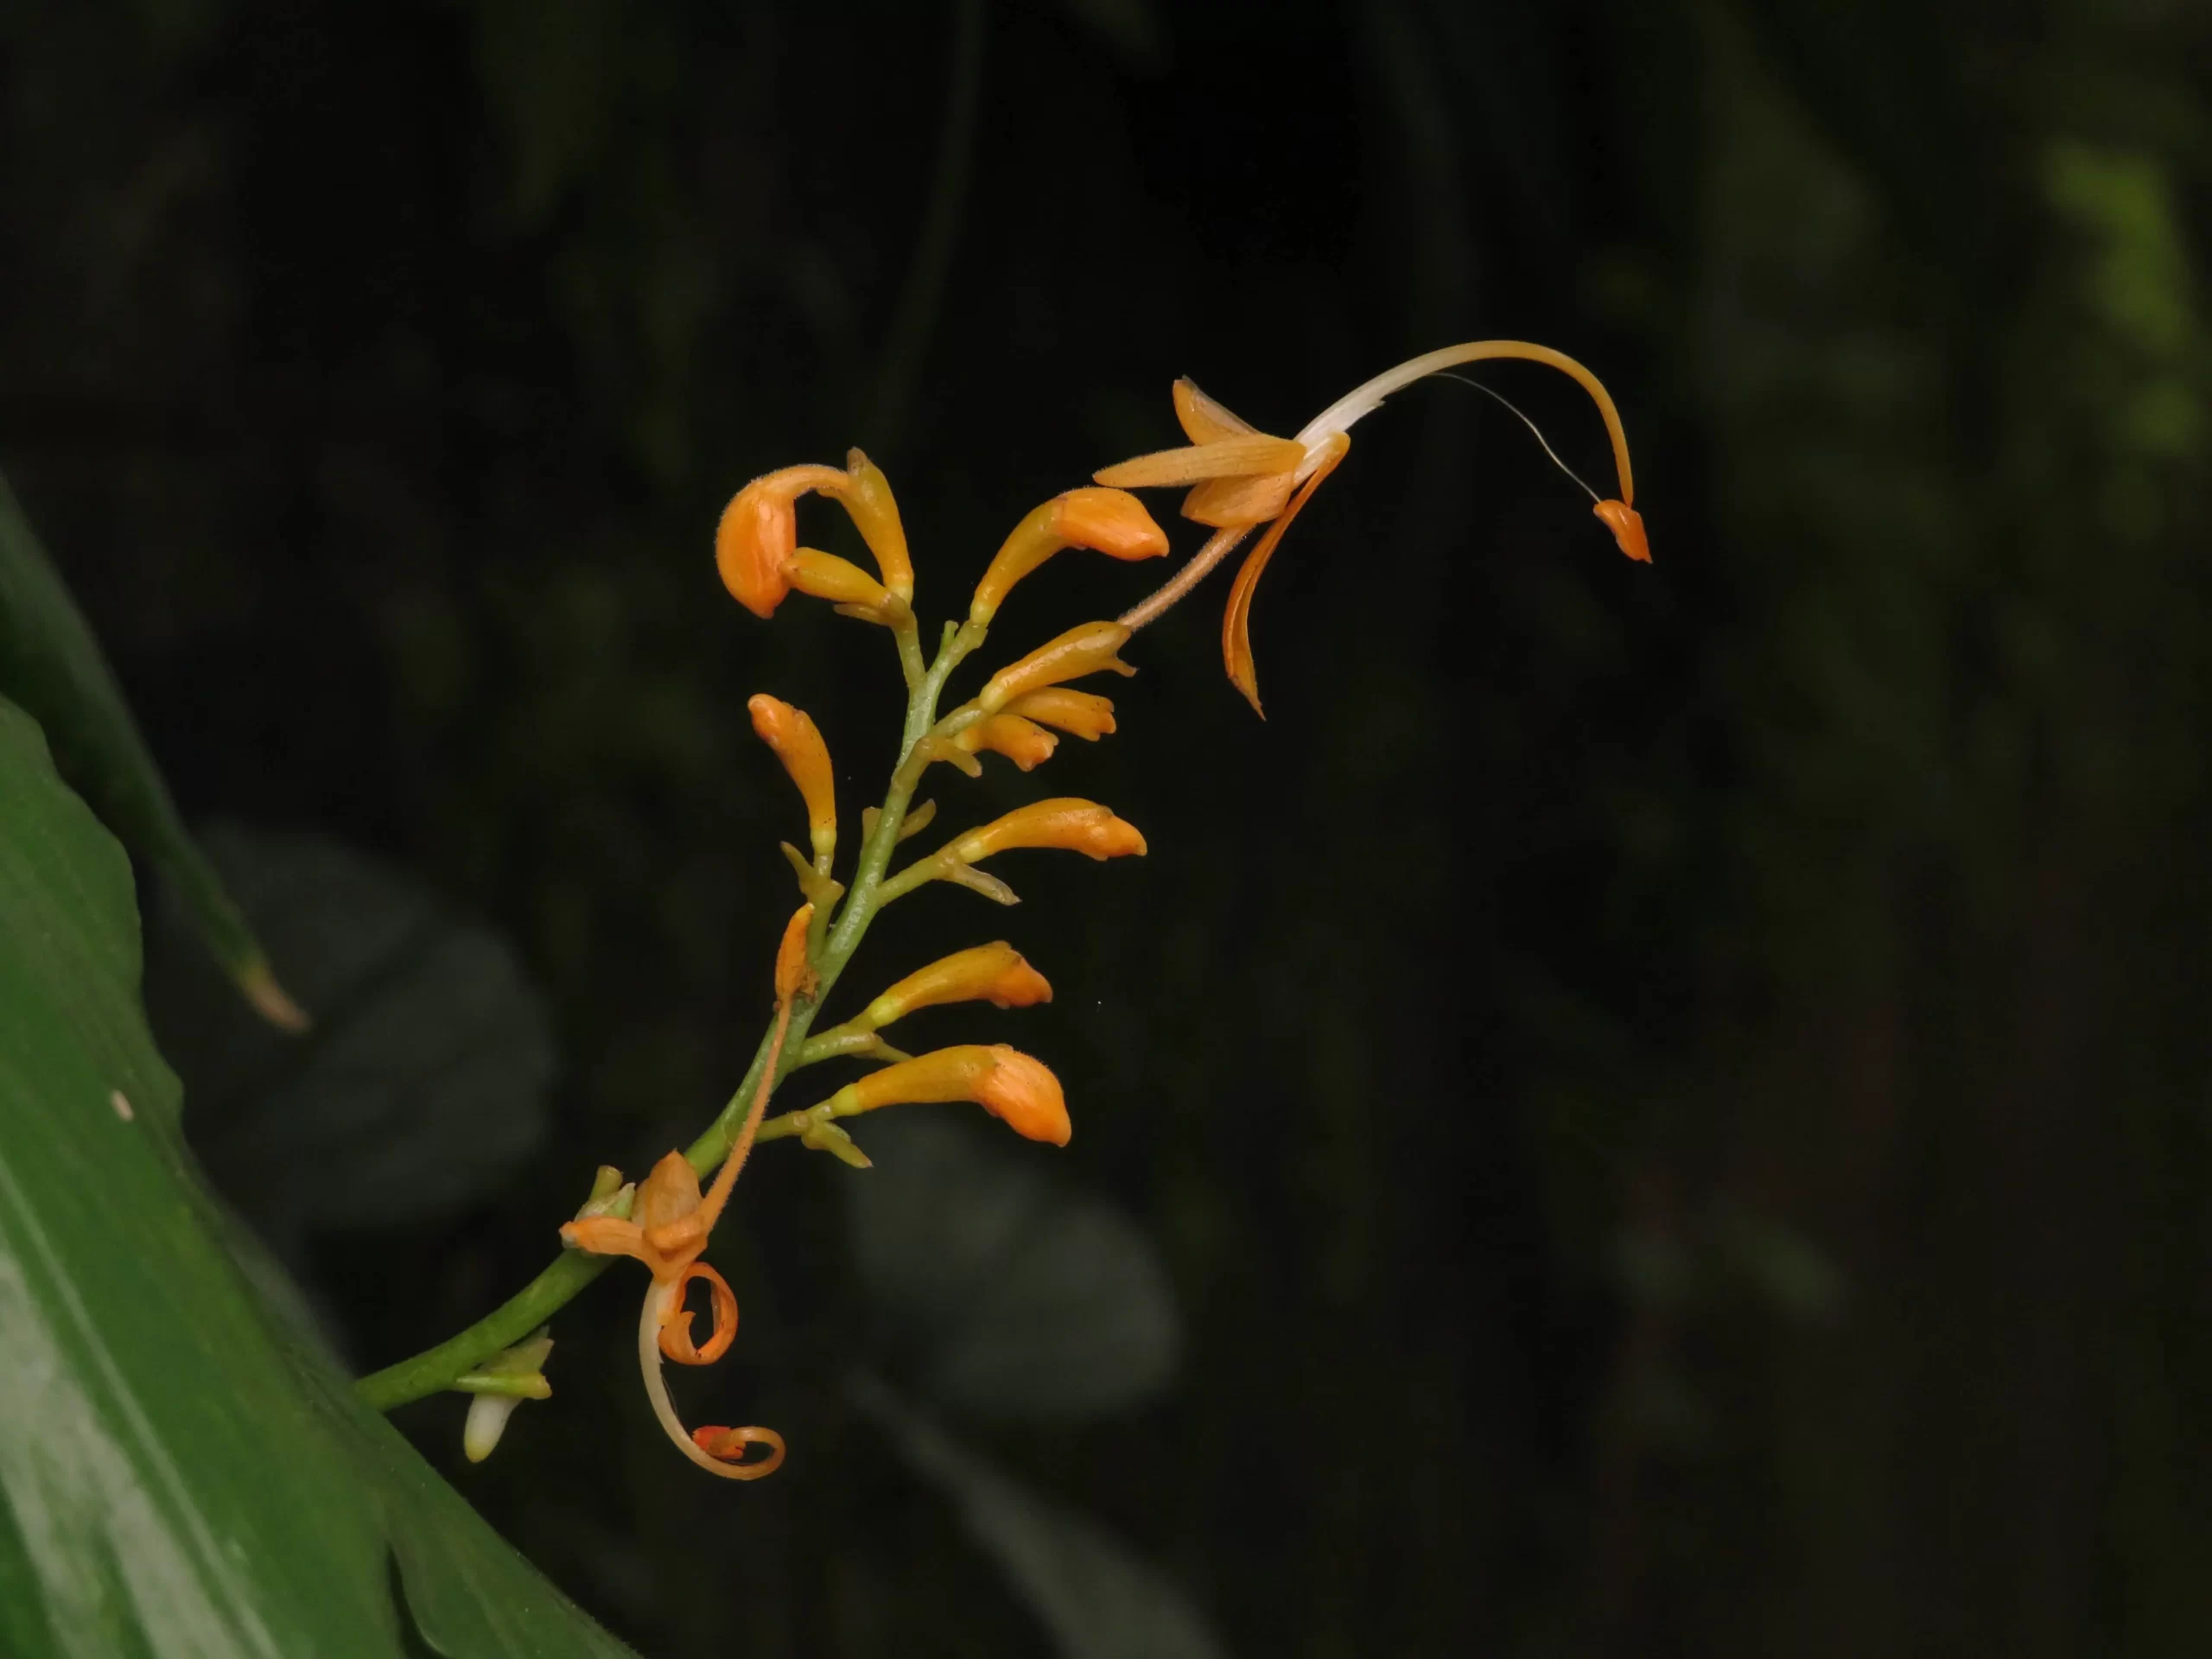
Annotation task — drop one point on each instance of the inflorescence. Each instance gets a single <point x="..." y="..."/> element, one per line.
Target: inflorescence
<point x="1239" y="480"/>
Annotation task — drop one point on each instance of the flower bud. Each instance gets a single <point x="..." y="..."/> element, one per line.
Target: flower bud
<point x="798" y="743"/>
<point x="794" y="974"/>
<point x="1083" y="713"/>
<point x="867" y="502"/>
<point x="497" y="1387"/>
<point x="1022" y="741"/>
<point x="1020" y="1092"/>
<point x="1080" y="650"/>
<point x="995" y="973"/>
<point x="1077" y="825"/>
<point x="760" y="532"/>
<point x="1112" y="522"/>
<point x="824" y="576"/>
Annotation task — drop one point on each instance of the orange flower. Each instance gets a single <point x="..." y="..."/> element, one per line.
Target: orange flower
<point x="1244" y="477"/>
<point x="1022" y="741"/>
<point x="867" y="502"/>
<point x="671" y="1225"/>
<point x="995" y="973"/>
<point x="758" y="537"/>
<point x="1020" y="1092"/>
<point x="1083" y="714"/>
<point x="824" y="576"/>
<point x="798" y="743"/>
<point x="1080" y="826"/>
<point x="759" y="533"/>
<point x="1112" y="522"/>
<point x="1081" y="650"/>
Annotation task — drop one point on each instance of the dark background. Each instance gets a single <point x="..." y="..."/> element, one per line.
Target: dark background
<point x="1673" y="1100"/>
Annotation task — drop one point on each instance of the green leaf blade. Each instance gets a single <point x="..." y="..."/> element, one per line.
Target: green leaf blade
<point x="181" y="1474"/>
<point x="53" y="667"/>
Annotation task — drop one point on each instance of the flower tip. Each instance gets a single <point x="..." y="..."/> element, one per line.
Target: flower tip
<point x="1019" y="987"/>
<point x="1022" y="1092"/>
<point x="1115" y="838"/>
<point x="1627" y="525"/>
<point x="1112" y="522"/>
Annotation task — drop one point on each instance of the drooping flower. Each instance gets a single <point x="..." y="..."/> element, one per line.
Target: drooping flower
<point x="1243" y="478"/>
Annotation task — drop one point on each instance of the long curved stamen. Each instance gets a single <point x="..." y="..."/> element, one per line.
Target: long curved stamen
<point x="1362" y="401"/>
<point x="659" y="1301"/>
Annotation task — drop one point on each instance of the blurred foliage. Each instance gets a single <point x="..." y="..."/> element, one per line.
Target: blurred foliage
<point x="1672" y="1103"/>
<point x="183" y="1472"/>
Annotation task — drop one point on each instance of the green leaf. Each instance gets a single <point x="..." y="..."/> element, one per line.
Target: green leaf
<point x="424" y="1080"/>
<point x="182" y="1472"/>
<point x="1016" y="1299"/>
<point x="51" y="666"/>
<point x="1099" y="1600"/>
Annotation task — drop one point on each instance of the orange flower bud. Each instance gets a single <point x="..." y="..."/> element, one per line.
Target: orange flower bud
<point x="760" y="532"/>
<point x="1084" y="714"/>
<point x="840" y="582"/>
<point x="995" y="973"/>
<point x="1022" y="741"/>
<point x="794" y="974"/>
<point x="1081" y="650"/>
<point x="867" y="501"/>
<point x="1078" y="825"/>
<point x="1112" y="522"/>
<point x="798" y="743"/>
<point x="1020" y="1092"/>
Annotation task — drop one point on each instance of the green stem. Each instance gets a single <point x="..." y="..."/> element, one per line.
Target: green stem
<point x="440" y="1368"/>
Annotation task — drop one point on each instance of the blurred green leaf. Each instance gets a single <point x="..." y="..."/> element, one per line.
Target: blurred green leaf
<point x="51" y="666"/>
<point x="1098" y="1599"/>
<point x="424" y="1080"/>
<point x="183" y="1473"/>
<point x="1013" y="1297"/>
